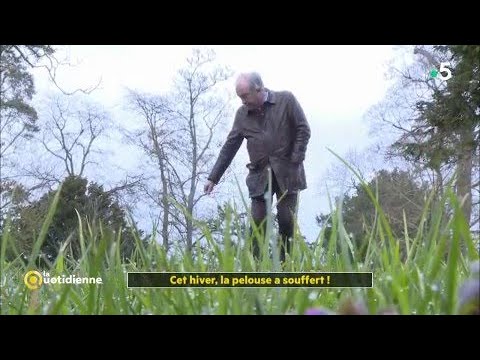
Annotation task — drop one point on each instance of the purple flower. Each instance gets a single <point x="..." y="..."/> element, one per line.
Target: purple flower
<point x="317" y="311"/>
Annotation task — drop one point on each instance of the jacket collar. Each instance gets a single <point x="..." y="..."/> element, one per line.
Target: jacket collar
<point x="271" y="98"/>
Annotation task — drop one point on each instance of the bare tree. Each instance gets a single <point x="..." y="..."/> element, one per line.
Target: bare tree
<point x="67" y="144"/>
<point x="178" y="138"/>
<point x="156" y="141"/>
<point x="199" y="111"/>
<point x="70" y="133"/>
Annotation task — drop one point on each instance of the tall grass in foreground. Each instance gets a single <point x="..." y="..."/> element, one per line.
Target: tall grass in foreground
<point x="423" y="280"/>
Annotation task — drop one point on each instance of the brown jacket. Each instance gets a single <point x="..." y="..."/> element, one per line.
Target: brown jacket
<point x="277" y="137"/>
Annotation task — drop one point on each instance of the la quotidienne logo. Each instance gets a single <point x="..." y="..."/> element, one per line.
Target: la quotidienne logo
<point x="34" y="280"/>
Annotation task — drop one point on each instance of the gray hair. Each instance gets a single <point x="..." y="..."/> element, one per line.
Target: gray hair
<point x="254" y="80"/>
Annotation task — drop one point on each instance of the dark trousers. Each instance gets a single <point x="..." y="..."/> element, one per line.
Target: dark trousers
<point x="286" y="209"/>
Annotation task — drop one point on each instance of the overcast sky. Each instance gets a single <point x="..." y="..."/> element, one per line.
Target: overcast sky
<point x="335" y="85"/>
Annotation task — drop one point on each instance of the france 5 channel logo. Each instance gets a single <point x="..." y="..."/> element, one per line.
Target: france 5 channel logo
<point x="442" y="73"/>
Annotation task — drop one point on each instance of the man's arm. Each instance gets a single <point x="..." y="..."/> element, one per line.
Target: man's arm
<point x="302" y="131"/>
<point x="228" y="151"/>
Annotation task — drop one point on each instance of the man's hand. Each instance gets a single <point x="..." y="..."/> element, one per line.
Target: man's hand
<point x="208" y="188"/>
